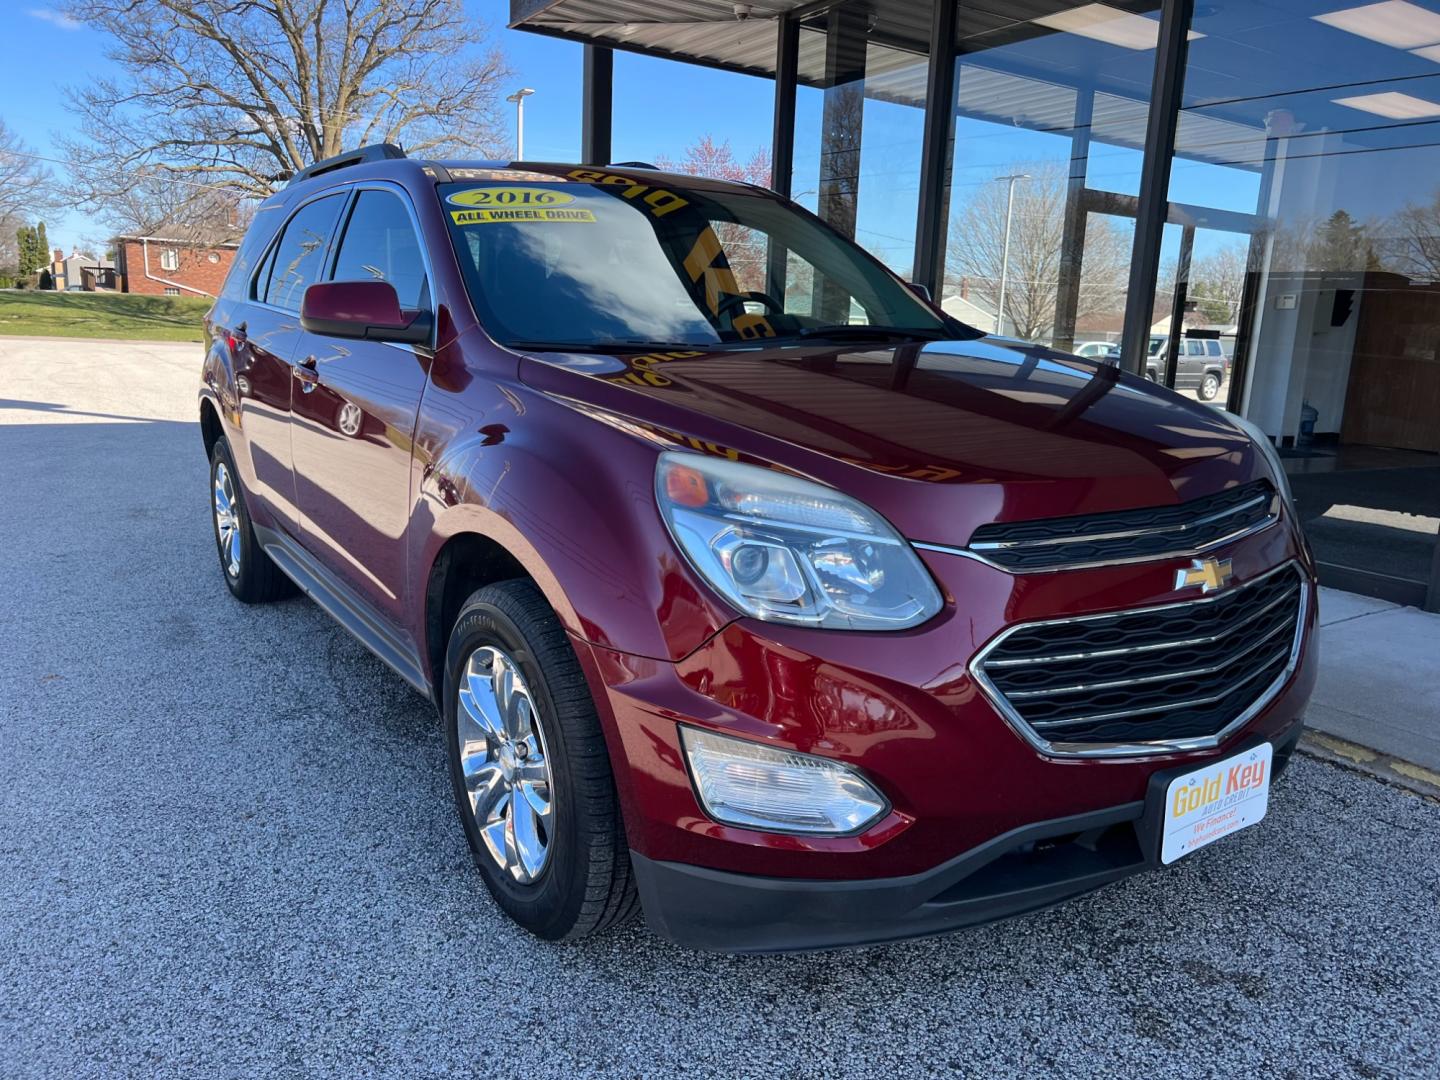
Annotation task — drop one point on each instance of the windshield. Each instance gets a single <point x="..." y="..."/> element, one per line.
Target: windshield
<point x="608" y="262"/>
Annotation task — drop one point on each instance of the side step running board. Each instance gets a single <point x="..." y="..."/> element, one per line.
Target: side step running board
<point x="343" y="606"/>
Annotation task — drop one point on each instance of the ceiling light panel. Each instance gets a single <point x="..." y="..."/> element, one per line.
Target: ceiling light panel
<point x="1100" y="22"/>
<point x="1392" y="22"/>
<point x="1392" y="105"/>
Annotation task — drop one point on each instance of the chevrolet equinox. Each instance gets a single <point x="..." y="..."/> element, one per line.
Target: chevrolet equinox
<point x="754" y="591"/>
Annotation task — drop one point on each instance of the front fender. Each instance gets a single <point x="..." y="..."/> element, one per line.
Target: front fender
<point x="572" y="499"/>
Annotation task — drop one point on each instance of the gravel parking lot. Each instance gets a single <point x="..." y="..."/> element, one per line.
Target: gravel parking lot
<point x="228" y="849"/>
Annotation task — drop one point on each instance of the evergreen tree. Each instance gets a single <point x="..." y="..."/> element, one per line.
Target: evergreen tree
<point x="28" y="243"/>
<point x="1342" y="243"/>
<point x="44" y="244"/>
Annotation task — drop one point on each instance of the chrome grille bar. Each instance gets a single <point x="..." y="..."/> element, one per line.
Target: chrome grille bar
<point x="1208" y="693"/>
<point x="1018" y="695"/>
<point x="1118" y="714"/>
<point x="1126" y="650"/>
<point x="1124" y="534"/>
<point x="1114" y="537"/>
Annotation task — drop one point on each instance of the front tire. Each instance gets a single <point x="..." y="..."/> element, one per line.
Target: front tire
<point x="530" y="770"/>
<point x="249" y="573"/>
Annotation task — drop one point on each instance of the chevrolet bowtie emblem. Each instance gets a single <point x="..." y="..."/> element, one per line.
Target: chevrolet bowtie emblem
<point x="1209" y="574"/>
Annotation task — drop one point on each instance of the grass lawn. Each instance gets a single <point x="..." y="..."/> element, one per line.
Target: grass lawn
<point x="103" y="315"/>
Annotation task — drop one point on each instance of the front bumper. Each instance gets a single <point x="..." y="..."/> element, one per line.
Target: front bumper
<point x="966" y="790"/>
<point x="1024" y="870"/>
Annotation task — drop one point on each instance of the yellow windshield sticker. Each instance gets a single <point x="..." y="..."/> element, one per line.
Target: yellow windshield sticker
<point x="657" y="200"/>
<point x="707" y="264"/>
<point x="483" y="217"/>
<point x="510" y="195"/>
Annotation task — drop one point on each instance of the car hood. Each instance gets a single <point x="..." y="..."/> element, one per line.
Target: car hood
<point x="941" y="436"/>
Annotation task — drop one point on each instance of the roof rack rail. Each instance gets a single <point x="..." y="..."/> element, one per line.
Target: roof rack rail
<point x="633" y="165"/>
<point x="361" y="156"/>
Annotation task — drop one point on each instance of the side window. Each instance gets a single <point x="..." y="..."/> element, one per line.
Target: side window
<point x="1195" y="348"/>
<point x="255" y="244"/>
<point x="300" y="256"/>
<point x="1212" y="348"/>
<point x="806" y="291"/>
<point x="379" y="244"/>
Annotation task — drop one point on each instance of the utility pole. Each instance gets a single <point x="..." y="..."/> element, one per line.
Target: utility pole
<point x="1005" y="248"/>
<point x="519" y="99"/>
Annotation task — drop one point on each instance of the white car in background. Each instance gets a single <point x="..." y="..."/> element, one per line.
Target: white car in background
<point x="1097" y="350"/>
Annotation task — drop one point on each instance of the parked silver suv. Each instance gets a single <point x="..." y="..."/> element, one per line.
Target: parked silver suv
<point x="1201" y="365"/>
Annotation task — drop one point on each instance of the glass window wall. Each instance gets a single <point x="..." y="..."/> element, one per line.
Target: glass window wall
<point x="1050" y="115"/>
<point x="859" y="120"/>
<point x="1305" y="185"/>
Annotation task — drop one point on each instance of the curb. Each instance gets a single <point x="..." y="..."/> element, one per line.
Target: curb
<point x="1380" y="766"/>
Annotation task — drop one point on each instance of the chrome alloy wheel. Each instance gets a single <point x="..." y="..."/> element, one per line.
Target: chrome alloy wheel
<point x="506" y="769"/>
<point x="227" y="520"/>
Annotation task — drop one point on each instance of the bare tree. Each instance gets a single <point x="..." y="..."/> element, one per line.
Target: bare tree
<point x="706" y="157"/>
<point x="976" y="243"/>
<point x="26" y="193"/>
<point x="1217" y="282"/>
<point x="237" y="95"/>
<point x="1414" y="247"/>
<point x="744" y="247"/>
<point x="156" y="205"/>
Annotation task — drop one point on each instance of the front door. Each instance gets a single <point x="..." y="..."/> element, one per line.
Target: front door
<point x="354" y="411"/>
<point x="271" y="333"/>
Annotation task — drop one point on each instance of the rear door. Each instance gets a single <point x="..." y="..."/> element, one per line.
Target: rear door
<point x="272" y="332"/>
<point x="1190" y="364"/>
<point x="354" y="411"/>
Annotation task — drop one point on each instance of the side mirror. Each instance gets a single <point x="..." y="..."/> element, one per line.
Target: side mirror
<point x="369" y="310"/>
<point x="922" y="291"/>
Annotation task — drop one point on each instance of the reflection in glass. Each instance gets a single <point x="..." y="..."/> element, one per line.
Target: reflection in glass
<point x="1061" y="99"/>
<point x="1321" y="130"/>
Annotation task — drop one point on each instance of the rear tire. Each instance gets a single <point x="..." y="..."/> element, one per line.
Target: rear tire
<point x="530" y="769"/>
<point x="1209" y="386"/>
<point x="249" y="573"/>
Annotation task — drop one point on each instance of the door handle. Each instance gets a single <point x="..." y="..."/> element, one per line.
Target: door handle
<point x="304" y="370"/>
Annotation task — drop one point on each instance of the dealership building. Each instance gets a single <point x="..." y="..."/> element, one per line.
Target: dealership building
<point x="1239" y="198"/>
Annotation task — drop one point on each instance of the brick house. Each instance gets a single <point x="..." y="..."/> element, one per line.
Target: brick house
<point x="161" y="266"/>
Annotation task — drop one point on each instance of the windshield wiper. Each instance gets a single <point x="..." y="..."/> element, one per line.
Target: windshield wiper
<point x="611" y="346"/>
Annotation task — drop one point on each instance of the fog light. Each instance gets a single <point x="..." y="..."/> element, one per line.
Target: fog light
<point x="759" y="787"/>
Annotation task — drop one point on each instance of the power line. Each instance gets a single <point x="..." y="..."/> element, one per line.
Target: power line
<point x="229" y="188"/>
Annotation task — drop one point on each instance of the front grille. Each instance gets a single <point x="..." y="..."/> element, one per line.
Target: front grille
<point x="1172" y="674"/>
<point x="1127" y="535"/>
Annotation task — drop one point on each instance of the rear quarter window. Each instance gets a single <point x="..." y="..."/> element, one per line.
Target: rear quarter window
<point x="252" y="247"/>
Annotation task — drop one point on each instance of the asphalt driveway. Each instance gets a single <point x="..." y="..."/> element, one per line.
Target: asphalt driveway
<point x="227" y="848"/>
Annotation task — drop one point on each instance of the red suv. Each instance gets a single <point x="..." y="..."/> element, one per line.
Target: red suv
<point x="752" y="589"/>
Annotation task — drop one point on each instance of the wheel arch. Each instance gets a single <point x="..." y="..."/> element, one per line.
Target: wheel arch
<point x="466" y="561"/>
<point x="211" y="429"/>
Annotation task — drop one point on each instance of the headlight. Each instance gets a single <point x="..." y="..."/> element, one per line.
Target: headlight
<point x="744" y="783"/>
<point x="1272" y="456"/>
<point x="788" y="550"/>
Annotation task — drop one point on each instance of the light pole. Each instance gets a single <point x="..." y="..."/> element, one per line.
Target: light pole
<point x="1005" y="247"/>
<point x="518" y="97"/>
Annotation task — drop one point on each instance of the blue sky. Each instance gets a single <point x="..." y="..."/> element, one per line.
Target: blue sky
<point x="49" y="54"/>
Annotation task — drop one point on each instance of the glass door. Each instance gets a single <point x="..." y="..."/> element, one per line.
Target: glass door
<point x="1199" y="304"/>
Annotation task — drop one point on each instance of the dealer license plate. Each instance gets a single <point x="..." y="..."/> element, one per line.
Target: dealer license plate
<point x="1213" y="802"/>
